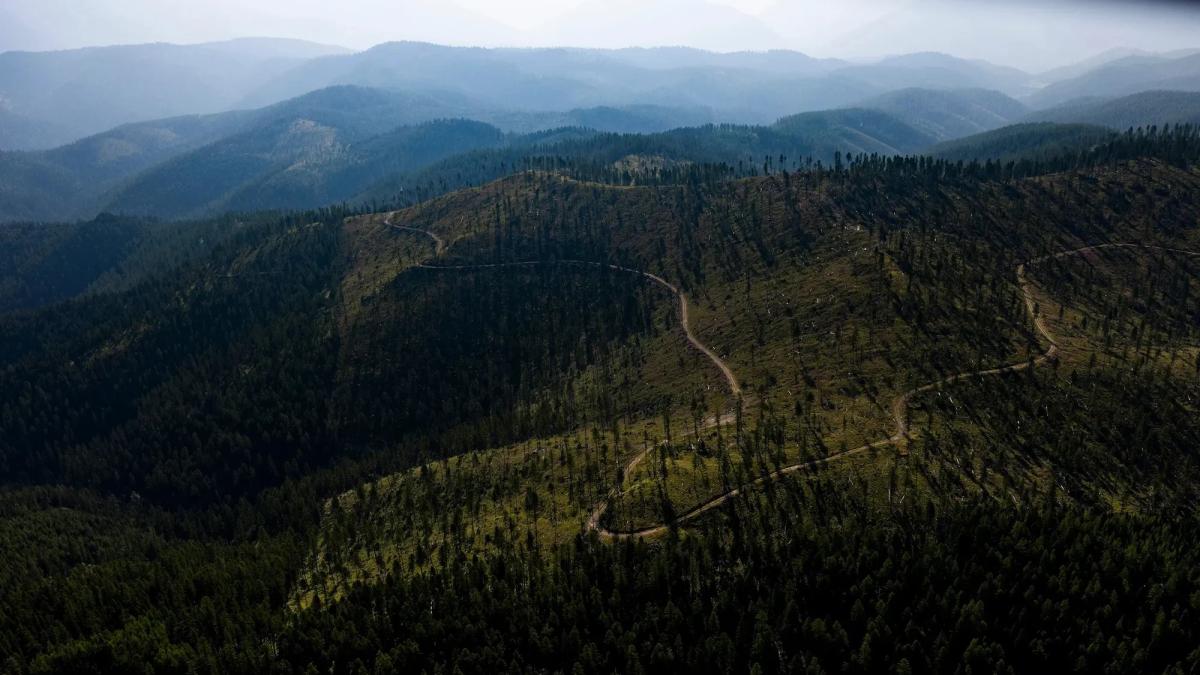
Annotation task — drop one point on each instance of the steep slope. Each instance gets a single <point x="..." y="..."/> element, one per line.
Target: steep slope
<point x="44" y="264"/>
<point x="949" y="114"/>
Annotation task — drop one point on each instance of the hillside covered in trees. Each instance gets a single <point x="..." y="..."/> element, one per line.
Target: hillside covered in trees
<point x="639" y="403"/>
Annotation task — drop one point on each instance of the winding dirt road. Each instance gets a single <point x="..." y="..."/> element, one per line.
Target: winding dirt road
<point x="735" y="388"/>
<point x="899" y="405"/>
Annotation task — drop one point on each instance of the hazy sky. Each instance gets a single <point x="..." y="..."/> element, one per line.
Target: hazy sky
<point x="1023" y="33"/>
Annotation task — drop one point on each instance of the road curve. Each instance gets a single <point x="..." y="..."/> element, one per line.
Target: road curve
<point x="731" y="380"/>
<point x="439" y="244"/>
<point x="899" y="405"/>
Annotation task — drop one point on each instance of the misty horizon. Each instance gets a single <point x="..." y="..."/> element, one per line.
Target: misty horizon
<point x="1033" y="37"/>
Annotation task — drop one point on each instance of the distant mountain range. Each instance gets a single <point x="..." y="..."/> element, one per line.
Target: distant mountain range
<point x="328" y="126"/>
<point x="349" y="143"/>
<point x="1122" y="77"/>
<point x="58" y="97"/>
<point x="51" y="98"/>
<point x="1136" y="110"/>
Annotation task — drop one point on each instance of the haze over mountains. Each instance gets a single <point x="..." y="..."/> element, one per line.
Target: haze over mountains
<point x="70" y="94"/>
<point x="1035" y="36"/>
<point x="184" y="131"/>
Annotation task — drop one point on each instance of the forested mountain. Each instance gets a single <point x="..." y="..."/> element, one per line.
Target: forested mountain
<point x="298" y="163"/>
<point x="43" y="264"/>
<point x="884" y="413"/>
<point x="75" y="93"/>
<point x="1030" y="141"/>
<point x="340" y="144"/>
<point x="1144" y="109"/>
<point x="792" y="143"/>
<point x="329" y="169"/>
<point x="948" y="114"/>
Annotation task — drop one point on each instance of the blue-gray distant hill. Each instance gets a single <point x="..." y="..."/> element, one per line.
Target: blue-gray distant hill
<point x="739" y="87"/>
<point x="1143" y="109"/>
<point x="50" y="98"/>
<point x="950" y="113"/>
<point x="1123" y="77"/>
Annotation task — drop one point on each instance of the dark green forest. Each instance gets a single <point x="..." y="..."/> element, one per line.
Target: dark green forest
<point x="373" y="438"/>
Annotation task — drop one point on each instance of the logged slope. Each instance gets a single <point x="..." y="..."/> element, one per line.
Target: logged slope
<point x="843" y="331"/>
<point x="900" y="407"/>
<point x="310" y="433"/>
